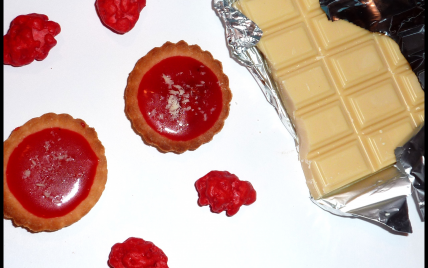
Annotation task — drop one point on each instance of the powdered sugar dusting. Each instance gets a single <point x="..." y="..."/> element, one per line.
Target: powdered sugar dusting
<point x="27" y="174"/>
<point x="47" y="145"/>
<point x="173" y="105"/>
<point x="177" y="98"/>
<point x="184" y="100"/>
<point x="167" y="80"/>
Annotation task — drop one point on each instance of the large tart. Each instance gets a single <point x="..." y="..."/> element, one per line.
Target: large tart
<point x="177" y="97"/>
<point x="54" y="171"/>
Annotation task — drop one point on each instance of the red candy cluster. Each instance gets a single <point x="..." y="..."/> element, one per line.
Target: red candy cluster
<point x="137" y="253"/>
<point x="30" y="37"/>
<point x="224" y="192"/>
<point x="120" y="16"/>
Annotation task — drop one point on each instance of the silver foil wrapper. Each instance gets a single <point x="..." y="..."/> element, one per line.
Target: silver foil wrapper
<point x="242" y="35"/>
<point x="380" y="198"/>
<point x="411" y="161"/>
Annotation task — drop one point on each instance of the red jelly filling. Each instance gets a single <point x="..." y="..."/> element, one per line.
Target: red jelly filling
<point x="180" y="98"/>
<point x="51" y="172"/>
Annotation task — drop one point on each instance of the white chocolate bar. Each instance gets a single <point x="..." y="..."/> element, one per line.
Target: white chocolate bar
<point x="350" y="93"/>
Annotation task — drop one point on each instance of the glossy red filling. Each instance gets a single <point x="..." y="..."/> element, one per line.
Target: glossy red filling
<point x="180" y="98"/>
<point x="51" y="172"/>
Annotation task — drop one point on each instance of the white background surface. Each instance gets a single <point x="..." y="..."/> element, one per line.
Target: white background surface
<point x="152" y="195"/>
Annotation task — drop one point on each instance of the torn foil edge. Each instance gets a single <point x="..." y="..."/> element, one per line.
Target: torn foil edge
<point x="381" y="198"/>
<point x="411" y="161"/>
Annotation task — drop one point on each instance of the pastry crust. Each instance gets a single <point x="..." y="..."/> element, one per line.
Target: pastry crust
<point x="12" y="208"/>
<point x="132" y="110"/>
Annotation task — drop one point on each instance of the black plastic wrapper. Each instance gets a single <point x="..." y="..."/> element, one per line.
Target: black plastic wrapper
<point x="402" y="20"/>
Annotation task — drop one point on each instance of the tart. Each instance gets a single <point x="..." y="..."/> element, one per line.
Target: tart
<point x="54" y="172"/>
<point x="177" y="97"/>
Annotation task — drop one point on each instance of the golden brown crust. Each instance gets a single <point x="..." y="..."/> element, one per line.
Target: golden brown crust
<point x="132" y="110"/>
<point x="12" y="208"/>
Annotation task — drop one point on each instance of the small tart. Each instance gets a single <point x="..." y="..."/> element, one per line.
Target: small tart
<point x="177" y="97"/>
<point x="54" y="172"/>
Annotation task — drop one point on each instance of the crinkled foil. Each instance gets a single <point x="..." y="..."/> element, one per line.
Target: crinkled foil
<point x="411" y="161"/>
<point x="380" y="198"/>
<point x="242" y="35"/>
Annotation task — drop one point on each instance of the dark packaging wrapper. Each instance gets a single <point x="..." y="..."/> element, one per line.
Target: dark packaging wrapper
<point x="402" y="20"/>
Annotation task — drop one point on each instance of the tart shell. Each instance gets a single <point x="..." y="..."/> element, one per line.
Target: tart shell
<point x="12" y="208"/>
<point x="132" y="110"/>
